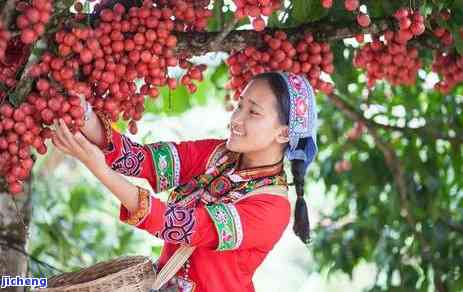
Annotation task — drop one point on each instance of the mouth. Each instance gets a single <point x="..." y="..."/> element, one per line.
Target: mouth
<point x="236" y="133"/>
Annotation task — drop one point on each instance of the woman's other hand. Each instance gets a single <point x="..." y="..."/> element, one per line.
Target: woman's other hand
<point x="77" y="145"/>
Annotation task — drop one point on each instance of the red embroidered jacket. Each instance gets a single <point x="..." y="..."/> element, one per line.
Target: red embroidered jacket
<point x="231" y="240"/>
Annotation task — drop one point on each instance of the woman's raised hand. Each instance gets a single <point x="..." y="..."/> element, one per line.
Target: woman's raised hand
<point x="77" y="145"/>
<point x="93" y="158"/>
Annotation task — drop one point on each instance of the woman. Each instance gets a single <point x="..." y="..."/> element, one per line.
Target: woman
<point x="211" y="207"/>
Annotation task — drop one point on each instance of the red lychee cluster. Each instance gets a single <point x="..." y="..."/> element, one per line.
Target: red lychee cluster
<point x="450" y="67"/>
<point x="33" y="19"/>
<point x="307" y="57"/>
<point x="19" y="131"/>
<point x="389" y="60"/>
<point x="389" y="57"/>
<point x="411" y="24"/>
<point x="189" y="14"/>
<point x="256" y="9"/>
<point x="125" y="46"/>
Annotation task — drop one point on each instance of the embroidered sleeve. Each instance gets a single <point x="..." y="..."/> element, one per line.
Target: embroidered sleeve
<point x="228" y="224"/>
<point x="169" y="222"/>
<point x="178" y="226"/>
<point x="164" y="164"/>
<point x="256" y="222"/>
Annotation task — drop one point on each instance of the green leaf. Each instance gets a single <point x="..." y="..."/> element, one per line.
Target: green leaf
<point x="458" y="41"/>
<point x="273" y="20"/>
<point x="206" y="89"/>
<point x="220" y="76"/>
<point x="216" y="22"/>
<point x="456" y="18"/>
<point x="304" y="11"/>
<point x="122" y="126"/>
<point x="78" y="198"/>
<point x="154" y="106"/>
<point x="175" y="102"/>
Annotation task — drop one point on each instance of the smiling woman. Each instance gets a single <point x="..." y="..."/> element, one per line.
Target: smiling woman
<point x="229" y="197"/>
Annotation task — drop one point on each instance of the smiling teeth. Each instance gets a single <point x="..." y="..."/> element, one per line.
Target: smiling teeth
<point x="237" y="133"/>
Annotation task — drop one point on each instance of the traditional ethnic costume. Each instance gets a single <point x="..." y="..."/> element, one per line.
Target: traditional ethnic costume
<point x="208" y="207"/>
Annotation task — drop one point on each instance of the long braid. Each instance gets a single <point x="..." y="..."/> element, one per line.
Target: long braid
<point x="301" y="218"/>
<point x="301" y="225"/>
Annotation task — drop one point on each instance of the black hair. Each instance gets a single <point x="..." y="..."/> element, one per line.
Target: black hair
<point x="279" y="87"/>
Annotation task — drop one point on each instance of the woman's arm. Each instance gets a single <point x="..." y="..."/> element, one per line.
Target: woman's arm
<point x="93" y="158"/>
<point x="125" y="191"/>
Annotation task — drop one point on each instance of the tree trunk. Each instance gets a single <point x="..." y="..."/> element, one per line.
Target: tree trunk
<point x="15" y="214"/>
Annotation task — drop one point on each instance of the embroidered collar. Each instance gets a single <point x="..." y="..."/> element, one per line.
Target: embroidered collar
<point x="259" y="171"/>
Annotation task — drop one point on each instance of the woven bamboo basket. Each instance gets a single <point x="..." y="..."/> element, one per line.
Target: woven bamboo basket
<point x="123" y="274"/>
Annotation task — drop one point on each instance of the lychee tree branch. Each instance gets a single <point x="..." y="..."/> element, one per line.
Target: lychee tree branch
<point x="198" y="43"/>
<point x="7" y="12"/>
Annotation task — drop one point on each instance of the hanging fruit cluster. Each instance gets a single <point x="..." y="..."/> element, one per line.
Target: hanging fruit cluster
<point x="33" y="19"/>
<point x="450" y="67"/>
<point x="307" y="57"/>
<point x="389" y="60"/>
<point x="447" y="64"/>
<point x="388" y="56"/>
<point x="189" y="14"/>
<point x="256" y="9"/>
<point x="100" y="63"/>
<point x="123" y="47"/>
<point x="20" y="130"/>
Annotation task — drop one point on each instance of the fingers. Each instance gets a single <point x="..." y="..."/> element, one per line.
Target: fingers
<point x="69" y="138"/>
<point x="82" y="140"/>
<point x="60" y="138"/>
<point x="59" y="145"/>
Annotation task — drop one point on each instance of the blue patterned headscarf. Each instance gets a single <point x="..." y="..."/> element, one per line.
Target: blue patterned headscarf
<point x="302" y="118"/>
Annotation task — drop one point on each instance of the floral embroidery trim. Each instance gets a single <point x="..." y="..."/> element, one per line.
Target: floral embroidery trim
<point x="166" y="162"/>
<point x="108" y="141"/>
<point x="179" y="223"/>
<point x="144" y="206"/>
<point x="228" y="224"/>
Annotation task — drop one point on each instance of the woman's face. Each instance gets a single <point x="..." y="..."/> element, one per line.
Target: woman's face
<point x="254" y="124"/>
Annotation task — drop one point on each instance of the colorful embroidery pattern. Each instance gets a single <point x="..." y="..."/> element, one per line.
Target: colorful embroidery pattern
<point x="219" y="151"/>
<point x="179" y="224"/>
<point x="228" y="225"/>
<point x="131" y="159"/>
<point x="166" y="162"/>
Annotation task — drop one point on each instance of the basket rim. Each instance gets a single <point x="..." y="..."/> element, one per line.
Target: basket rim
<point x="108" y="277"/>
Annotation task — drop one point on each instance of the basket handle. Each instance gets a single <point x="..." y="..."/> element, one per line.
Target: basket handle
<point x="174" y="263"/>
